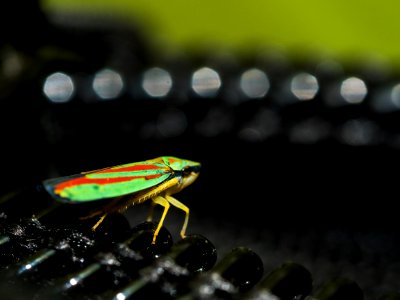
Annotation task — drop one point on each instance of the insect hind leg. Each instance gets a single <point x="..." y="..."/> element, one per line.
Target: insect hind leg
<point x="103" y="212"/>
<point x="92" y="215"/>
<point x="99" y="221"/>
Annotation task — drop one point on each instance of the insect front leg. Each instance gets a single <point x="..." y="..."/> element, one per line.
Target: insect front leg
<point x="164" y="203"/>
<point x="183" y="207"/>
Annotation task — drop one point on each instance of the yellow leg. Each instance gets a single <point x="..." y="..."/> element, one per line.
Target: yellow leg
<point x="183" y="207"/>
<point x="151" y="211"/>
<point x="92" y="215"/>
<point x="108" y="208"/>
<point x="163" y="202"/>
<point x="99" y="222"/>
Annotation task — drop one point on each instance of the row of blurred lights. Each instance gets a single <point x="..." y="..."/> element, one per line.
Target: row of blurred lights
<point x="156" y="83"/>
<point x="108" y="84"/>
<point x="254" y="83"/>
<point x="205" y="82"/>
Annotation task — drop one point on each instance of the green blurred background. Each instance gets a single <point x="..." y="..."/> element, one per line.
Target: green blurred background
<point x="343" y="28"/>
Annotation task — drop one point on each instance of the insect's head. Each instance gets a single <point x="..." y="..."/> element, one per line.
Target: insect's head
<point x="190" y="173"/>
<point x="189" y="169"/>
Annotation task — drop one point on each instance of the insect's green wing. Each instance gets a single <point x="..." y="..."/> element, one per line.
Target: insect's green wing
<point x="109" y="182"/>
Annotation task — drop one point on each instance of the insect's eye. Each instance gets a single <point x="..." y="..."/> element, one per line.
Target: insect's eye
<point x="186" y="171"/>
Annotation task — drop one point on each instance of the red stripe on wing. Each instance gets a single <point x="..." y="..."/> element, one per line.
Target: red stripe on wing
<point x="100" y="181"/>
<point x="131" y="168"/>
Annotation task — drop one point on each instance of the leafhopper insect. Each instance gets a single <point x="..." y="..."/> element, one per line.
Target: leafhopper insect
<point x="125" y="185"/>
